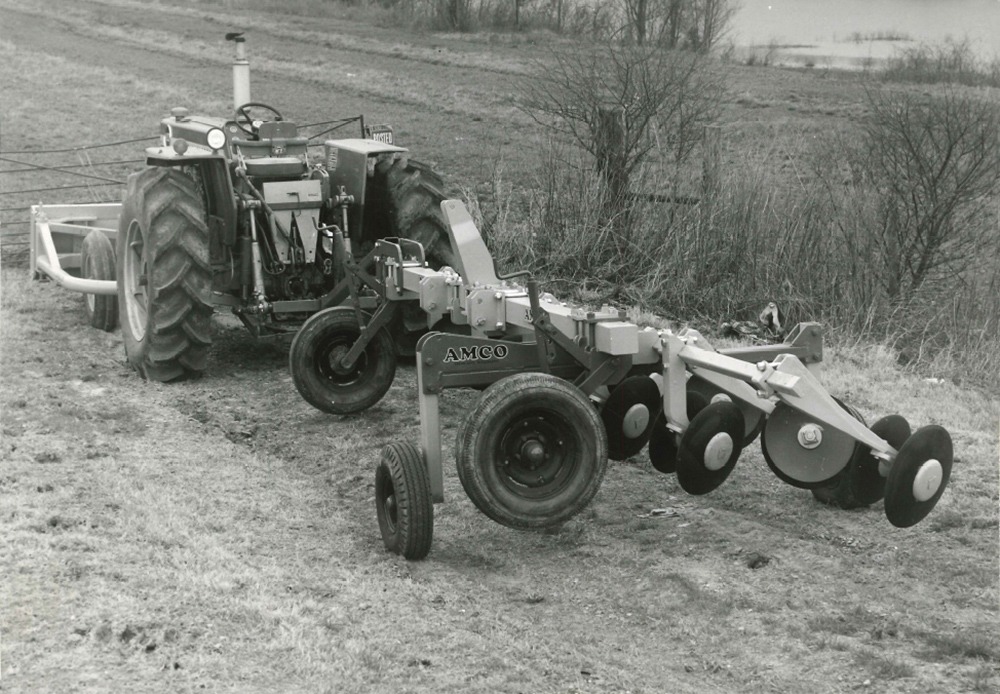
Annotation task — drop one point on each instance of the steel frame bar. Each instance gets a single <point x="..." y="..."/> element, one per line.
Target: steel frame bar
<point x="74" y="222"/>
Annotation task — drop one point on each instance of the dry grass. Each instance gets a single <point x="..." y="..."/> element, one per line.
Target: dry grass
<point x="220" y="534"/>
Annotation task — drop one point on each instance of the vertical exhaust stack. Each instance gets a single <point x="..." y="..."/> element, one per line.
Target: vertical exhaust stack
<point x="241" y="70"/>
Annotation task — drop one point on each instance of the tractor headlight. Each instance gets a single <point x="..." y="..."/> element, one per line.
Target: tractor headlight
<point x="216" y="138"/>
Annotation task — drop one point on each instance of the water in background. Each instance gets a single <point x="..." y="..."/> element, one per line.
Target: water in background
<point x="857" y="33"/>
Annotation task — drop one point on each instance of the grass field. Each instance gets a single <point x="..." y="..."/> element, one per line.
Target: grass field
<point x="220" y="534"/>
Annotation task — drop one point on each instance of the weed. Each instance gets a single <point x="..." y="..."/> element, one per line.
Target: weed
<point x="967" y="643"/>
<point x="883" y="667"/>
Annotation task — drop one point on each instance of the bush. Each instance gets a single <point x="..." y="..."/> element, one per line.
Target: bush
<point x="810" y="249"/>
<point x="951" y="61"/>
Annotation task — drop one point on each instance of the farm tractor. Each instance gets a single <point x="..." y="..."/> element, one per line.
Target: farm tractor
<point x="235" y="212"/>
<point x="359" y="252"/>
<point x="564" y="389"/>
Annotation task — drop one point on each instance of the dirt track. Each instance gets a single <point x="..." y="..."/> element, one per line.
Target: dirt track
<point x="220" y="534"/>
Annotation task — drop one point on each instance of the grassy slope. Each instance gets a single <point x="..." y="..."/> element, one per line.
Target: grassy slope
<point x="221" y="533"/>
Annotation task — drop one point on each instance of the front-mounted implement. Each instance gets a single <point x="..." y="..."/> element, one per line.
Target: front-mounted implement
<point x="236" y="212"/>
<point x="564" y="389"/>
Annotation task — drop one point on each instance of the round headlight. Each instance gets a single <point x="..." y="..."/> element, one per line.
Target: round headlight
<point x="216" y="138"/>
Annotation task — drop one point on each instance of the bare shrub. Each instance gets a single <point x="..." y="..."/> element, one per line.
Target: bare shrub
<point x="934" y="164"/>
<point x="953" y="61"/>
<point x="697" y="25"/>
<point x="619" y="102"/>
<point x="453" y="15"/>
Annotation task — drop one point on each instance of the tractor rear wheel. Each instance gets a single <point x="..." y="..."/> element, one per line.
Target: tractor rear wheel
<point x="404" y="199"/>
<point x="164" y="277"/>
<point x="533" y="451"/>
<point x="97" y="262"/>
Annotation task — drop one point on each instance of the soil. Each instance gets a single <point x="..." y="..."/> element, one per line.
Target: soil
<point x="220" y="534"/>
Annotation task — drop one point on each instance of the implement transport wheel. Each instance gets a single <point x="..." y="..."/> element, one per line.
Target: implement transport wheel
<point x="97" y="262"/>
<point x="753" y="418"/>
<point x="403" y="501"/>
<point x="663" y="442"/>
<point x="860" y="484"/>
<point x="629" y="415"/>
<point x="164" y="277"/>
<point x="801" y="451"/>
<point x="709" y="448"/>
<point x="532" y="452"/>
<point x="404" y="199"/>
<point x="918" y="476"/>
<point x="315" y="360"/>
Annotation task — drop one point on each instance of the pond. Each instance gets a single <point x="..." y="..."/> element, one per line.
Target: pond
<point x="855" y="33"/>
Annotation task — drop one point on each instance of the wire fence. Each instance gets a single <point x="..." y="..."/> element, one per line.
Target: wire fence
<point x="14" y="218"/>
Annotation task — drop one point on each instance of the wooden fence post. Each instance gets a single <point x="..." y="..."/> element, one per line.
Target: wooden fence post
<point x="711" y="157"/>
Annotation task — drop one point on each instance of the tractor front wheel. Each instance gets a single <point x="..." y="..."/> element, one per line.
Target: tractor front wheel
<point x="318" y="370"/>
<point x="532" y="452"/>
<point x="164" y="276"/>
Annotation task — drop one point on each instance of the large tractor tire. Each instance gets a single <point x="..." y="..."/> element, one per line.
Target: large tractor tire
<point x="405" y="199"/>
<point x="164" y="277"/>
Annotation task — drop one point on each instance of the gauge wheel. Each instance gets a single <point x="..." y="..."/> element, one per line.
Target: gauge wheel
<point x="403" y="502"/>
<point x="322" y="377"/>
<point x="532" y="452"/>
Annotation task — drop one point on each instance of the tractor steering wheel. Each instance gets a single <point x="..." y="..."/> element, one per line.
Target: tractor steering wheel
<point x="243" y="116"/>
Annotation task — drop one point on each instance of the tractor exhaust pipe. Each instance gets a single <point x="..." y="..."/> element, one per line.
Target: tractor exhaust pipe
<point x="241" y="70"/>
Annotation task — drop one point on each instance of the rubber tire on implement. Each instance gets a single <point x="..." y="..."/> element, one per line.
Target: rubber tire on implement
<point x="532" y="414"/>
<point x="403" y="501"/>
<point x="860" y="484"/>
<point x="97" y="262"/>
<point x="164" y="276"/>
<point x="313" y="357"/>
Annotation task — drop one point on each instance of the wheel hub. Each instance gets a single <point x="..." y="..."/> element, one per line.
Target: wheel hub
<point x="718" y="450"/>
<point x="927" y="480"/>
<point x="635" y="421"/>
<point x="532" y="452"/>
<point x="337" y="363"/>
<point x="390" y="509"/>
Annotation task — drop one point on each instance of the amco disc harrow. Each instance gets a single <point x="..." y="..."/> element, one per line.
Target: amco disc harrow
<point x="564" y="389"/>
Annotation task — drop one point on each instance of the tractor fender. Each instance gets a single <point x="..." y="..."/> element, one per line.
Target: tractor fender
<point x="365" y="147"/>
<point x="220" y="201"/>
<point x="167" y="156"/>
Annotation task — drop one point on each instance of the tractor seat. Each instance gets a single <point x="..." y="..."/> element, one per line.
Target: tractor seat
<point x="278" y="151"/>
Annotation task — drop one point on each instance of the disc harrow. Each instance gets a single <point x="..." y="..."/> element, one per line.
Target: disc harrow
<point x="566" y="388"/>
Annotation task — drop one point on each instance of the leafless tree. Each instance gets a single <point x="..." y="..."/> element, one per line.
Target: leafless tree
<point x="935" y="163"/>
<point x="694" y="24"/>
<point x="610" y="99"/>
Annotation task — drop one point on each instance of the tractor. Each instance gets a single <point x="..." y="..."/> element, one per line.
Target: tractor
<point x="238" y="212"/>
